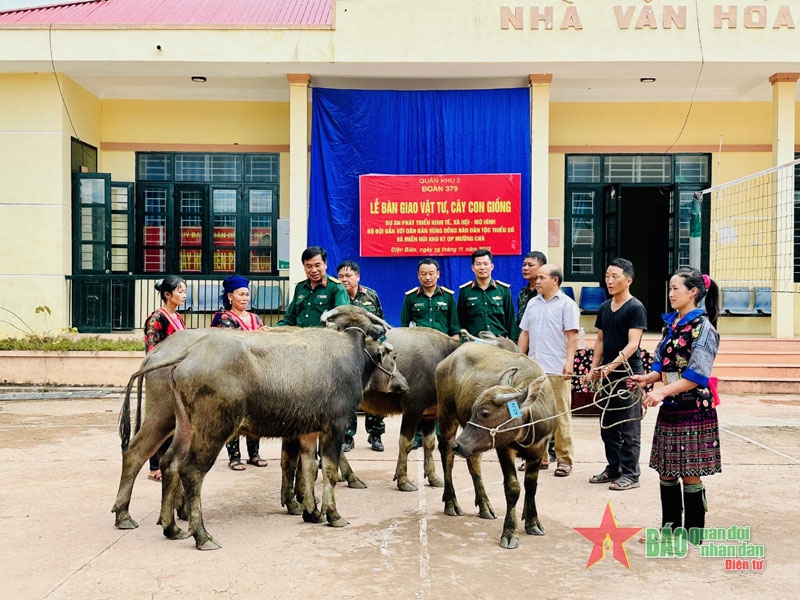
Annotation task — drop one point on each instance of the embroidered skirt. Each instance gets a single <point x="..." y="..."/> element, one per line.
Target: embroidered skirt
<point x="686" y="441"/>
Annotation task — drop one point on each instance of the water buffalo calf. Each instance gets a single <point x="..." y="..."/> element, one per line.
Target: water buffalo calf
<point x="475" y="386"/>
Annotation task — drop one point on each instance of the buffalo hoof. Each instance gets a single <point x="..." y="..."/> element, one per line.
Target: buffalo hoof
<point x="488" y="513"/>
<point x="208" y="544"/>
<point x="174" y="532"/>
<point x="435" y="481"/>
<point x="340" y="522"/>
<point x="535" y="528"/>
<point x="125" y="522"/>
<point x="452" y="509"/>
<point x="183" y="513"/>
<point x="315" y="517"/>
<point x="294" y="508"/>
<point x="509" y="542"/>
<point x="355" y="483"/>
<point x="405" y="485"/>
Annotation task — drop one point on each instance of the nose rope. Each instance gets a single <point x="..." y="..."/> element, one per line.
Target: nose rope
<point x="391" y="374"/>
<point x="598" y="387"/>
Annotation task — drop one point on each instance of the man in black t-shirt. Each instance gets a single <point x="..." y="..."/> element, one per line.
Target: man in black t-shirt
<point x="620" y="323"/>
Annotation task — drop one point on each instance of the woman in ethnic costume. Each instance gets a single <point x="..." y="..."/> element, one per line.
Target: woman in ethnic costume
<point x="235" y="298"/>
<point x="161" y="324"/>
<point x="686" y="440"/>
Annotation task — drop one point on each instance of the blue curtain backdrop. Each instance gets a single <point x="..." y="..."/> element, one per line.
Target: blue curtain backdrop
<point x="356" y="132"/>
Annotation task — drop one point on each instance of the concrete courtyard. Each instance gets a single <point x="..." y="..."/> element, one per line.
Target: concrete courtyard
<point x="60" y="464"/>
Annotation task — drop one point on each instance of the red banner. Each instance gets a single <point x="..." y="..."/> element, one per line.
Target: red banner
<point x="413" y="215"/>
<point x="224" y="236"/>
<point x="155" y="235"/>
<point x="191" y="236"/>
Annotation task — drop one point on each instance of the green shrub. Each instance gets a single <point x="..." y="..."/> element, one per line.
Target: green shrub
<point x="70" y="343"/>
<point x="61" y="341"/>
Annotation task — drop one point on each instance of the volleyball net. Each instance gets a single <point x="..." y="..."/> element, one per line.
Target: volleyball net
<point x="755" y="230"/>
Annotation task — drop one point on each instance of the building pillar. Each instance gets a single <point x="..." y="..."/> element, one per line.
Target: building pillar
<point x="540" y="160"/>
<point x="783" y="142"/>
<point x="298" y="172"/>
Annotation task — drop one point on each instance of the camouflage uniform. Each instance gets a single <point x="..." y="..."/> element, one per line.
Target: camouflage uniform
<point x="308" y="304"/>
<point x="524" y="296"/>
<point x="367" y="298"/>
<point x="437" y="312"/>
<point x="487" y="310"/>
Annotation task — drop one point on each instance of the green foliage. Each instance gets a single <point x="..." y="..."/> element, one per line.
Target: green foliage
<point x="91" y="343"/>
<point x="61" y="341"/>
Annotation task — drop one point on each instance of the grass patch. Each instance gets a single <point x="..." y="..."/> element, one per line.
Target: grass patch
<point x="63" y="343"/>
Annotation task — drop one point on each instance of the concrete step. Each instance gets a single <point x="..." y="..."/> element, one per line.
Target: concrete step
<point x="759" y="344"/>
<point x="752" y="365"/>
<point x="758" y="386"/>
<point x="756" y="371"/>
<point x="758" y="357"/>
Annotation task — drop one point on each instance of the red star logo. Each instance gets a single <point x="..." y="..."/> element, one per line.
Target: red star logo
<point x="608" y="537"/>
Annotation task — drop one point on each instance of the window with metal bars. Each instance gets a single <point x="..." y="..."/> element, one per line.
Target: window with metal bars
<point x="206" y="213"/>
<point x="585" y="178"/>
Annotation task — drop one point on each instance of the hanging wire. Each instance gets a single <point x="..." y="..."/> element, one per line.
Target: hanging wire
<point x="58" y="83"/>
<point x="696" y="83"/>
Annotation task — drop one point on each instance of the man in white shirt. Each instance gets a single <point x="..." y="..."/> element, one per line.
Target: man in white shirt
<point x="549" y="335"/>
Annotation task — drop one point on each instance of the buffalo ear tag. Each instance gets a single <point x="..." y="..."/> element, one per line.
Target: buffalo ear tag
<point x="513" y="409"/>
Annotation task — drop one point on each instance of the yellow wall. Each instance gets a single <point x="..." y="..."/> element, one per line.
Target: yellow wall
<point x="659" y="123"/>
<point x="35" y="203"/>
<point x="149" y="122"/>
<point x="199" y="122"/>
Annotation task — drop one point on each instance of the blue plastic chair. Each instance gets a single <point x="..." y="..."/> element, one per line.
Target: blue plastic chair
<point x="567" y="289"/>
<point x="736" y="302"/>
<point x="267" y="298"/>
<point x="591" y="299"/>
<point x="208" y="296"/>
<point x="763" y="302"/>
<point x="189" y="304"/>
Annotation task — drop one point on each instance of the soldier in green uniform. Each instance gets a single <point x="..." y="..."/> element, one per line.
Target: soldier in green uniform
<point x="485" y="304"/>
<point x="530" y="268"/>
<point x="430" y="305"/>
<point x="350" y="275"/>
<point x="315" y="295"/>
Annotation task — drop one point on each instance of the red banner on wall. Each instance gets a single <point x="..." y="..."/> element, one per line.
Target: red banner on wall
<point x="413" y="215"/>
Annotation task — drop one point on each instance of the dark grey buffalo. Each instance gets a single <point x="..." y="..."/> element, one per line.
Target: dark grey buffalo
<point x="264" y="384"/>
<point x="480" y="387"/>
<point x="419" y="350"/>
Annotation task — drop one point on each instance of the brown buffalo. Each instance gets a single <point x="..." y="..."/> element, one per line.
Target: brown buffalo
<point x="475" y="386"/>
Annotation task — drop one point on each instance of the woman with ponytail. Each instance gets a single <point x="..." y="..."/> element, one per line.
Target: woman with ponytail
<point x="162" y="323"/>
<point x="686" y="439"/>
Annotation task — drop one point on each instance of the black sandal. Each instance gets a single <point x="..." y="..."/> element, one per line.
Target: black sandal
<point x="603" y="477"/>
<point x="256" y="461"/>
<point x="236" y="465"/>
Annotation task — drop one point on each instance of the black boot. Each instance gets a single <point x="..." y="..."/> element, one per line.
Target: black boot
<point x="694" y="499"/>
<point x="671" y="503"/>
<point x="375" y="442"/>
<point x="348" y="444"/>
